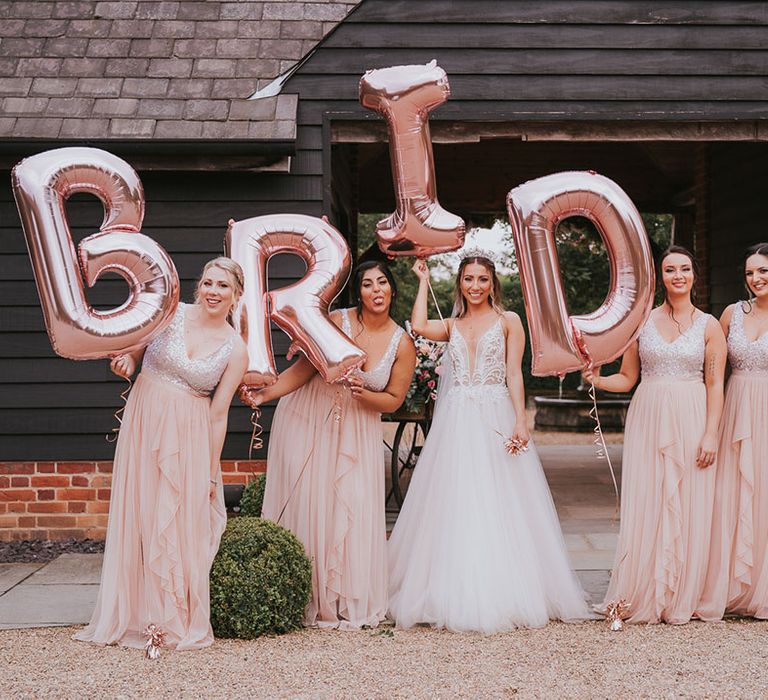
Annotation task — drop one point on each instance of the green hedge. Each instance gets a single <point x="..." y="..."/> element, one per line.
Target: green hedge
<point x="260" y="580"/>
<point x="253" y="497"/>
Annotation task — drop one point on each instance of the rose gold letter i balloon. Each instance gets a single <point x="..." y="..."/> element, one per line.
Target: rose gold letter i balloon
<point x="404" y="96"/>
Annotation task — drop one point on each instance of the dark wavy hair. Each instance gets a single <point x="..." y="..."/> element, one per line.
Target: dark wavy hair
<point x="757" y="249"/>
<point x="357" y="283"/>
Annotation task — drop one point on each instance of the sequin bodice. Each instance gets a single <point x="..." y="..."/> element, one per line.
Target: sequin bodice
<point x="487" y="378"/>
<point x="683" y="358"/>
<point x="166" y="357"/>
<point x="377" y="378"/>
<point x="746" y="355"/>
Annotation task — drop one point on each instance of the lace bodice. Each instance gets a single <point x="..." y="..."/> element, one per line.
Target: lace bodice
<point x="377" y="378"/>
<point x="166" y="357"/>
<point x="683" y="358"/>
<point x="489" y="368"/>
<point x="746" y="355"/>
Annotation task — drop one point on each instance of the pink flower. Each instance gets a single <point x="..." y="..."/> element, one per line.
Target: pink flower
<point x="438" y="371"/>
<point x="431" y="383"/>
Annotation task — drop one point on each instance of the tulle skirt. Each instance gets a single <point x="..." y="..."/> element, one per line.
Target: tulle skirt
<point x="325" y="483"/>
<point x="163" y="529"/>
<point x="477" y="545"/>
<point x="738" y="576"/>
<point x="666" y="506"/>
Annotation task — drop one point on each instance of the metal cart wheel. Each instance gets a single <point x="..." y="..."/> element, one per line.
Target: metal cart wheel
<point x="406" y="448"/>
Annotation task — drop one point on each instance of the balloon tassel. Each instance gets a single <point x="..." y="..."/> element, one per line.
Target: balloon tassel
<point x="112" y="435"/>
<point x="155" y="641"/>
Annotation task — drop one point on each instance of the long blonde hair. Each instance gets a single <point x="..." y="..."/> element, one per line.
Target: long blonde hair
<point x="236" y="278"/>
<point x="494" y="299"/>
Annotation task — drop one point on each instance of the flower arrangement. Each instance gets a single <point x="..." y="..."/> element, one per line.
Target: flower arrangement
<point x="423" y="389"/>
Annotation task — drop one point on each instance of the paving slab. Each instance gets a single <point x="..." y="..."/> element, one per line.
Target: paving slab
<point x="13" y="574"/>
<point x="47" y="605"/>
<point x="69" y="569"/>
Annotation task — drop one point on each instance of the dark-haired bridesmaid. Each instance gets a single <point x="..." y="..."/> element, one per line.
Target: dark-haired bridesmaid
<point x="668" y="482"/>
<point x="738" y="576"/>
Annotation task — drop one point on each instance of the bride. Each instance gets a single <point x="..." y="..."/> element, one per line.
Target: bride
<point x="477" y="545"/>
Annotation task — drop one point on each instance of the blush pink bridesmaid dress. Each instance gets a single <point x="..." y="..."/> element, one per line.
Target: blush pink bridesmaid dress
<point x="325" y="483"/>
<point x="163" y="531"/>
<point x="738" y="576"/>
<point x="666" y="500"/>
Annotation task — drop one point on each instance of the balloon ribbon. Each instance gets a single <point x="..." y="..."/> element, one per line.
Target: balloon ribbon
<point x="602" y="448"/>
<point x="111" y="436"/>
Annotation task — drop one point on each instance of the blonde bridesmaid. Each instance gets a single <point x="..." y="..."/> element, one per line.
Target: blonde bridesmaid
<point x="325" y="467"/>
<point x="668" y="482"/>
<point x="739" y="560"/>
<point x="166" y="514"/>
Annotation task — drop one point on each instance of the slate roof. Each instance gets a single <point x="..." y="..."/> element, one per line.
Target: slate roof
<point x="153" y="69"/>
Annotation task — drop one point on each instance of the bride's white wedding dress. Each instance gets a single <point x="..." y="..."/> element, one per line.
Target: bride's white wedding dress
<point x="477" y="545"/>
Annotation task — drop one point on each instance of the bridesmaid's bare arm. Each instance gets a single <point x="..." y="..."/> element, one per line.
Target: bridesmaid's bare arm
<point x="222" y="399"/>
<point x="725" y="319"/>
<point x="714" y="373"/>
<point x="399" y="380"/>
<point x="515" y="334"/>
<point x="624" y="379"/>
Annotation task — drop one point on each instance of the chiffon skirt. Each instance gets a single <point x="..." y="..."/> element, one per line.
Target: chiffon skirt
<point x="738" y="577"/>
<point x="666" y="506"/>
<point x="163" y="530"/>
<point x="477" y="545"/>
<point x="325" y="483"/>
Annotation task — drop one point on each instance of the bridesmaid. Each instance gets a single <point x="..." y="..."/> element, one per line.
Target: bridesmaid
<point x="738" y="573"/>
<point x="325" y="476"/>
<point x="166" y="513"/>
<point x="668" y="482"/>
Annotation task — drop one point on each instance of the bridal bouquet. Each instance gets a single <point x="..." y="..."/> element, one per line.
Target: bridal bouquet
<point x="423" y="389"/>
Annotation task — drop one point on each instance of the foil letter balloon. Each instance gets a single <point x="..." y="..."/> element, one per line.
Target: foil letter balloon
<point x="300" y="309"/>
<point x="562" y="343"/>
<point x="404" y="96"/>
<point x="41" y="185"/>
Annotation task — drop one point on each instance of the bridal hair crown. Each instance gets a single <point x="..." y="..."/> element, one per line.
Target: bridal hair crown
<point x="476" y="252"/>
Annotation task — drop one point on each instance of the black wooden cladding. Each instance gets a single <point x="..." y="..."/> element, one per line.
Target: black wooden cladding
<point x="55" y="408"/>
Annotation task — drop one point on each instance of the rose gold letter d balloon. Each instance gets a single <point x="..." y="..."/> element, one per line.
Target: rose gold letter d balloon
<point x="404" y="96"/>
<point x="41" y="184"/>
<point x="300" y="309"/>
<point x="562" y="343"/>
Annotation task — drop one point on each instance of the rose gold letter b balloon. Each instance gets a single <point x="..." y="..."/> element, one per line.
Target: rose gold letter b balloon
<point x="404" y="96"/>
<point x="300" y="309"/>
<point x="41" y="184"/>
<point x="562" y="343"/>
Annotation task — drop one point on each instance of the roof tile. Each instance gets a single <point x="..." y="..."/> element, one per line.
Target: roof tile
<point x="73" y="10"/>
<point x="116" y="10"/>
<point x="106" y="48"/>
<point x="158" y="10"/>
<point x="153" y="68"/>
<point x="177" y="129"/>
<point x="131" y="127"/>
<point x="53" y="87"/>
<point x="145" y="87"/>
<point x="99" y="87"/>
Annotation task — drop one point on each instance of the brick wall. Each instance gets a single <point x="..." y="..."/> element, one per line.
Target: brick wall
<point x="61" y="500"/>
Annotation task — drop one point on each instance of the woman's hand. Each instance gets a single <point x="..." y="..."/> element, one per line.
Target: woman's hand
<point x="591" y="375"/>
<point x="705" y="456"/>
<point x="520" y="434"/>
<point x="356" y="385"/>
<point x="212" y="491"/>
<point x="123" y="366"/>
<point x="250" y="397"/>
<point x="421" y="270"/>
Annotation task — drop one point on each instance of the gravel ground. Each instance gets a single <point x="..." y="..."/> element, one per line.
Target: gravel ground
<point x="697" y="660"/>
<point x="41" y="550"/>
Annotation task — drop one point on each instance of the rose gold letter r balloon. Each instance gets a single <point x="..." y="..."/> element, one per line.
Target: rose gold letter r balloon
<point x="41" y="185"/>
<point x="300" y="309"/>
<point x="404" y="96"/>
<point x="559" y="342"/>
